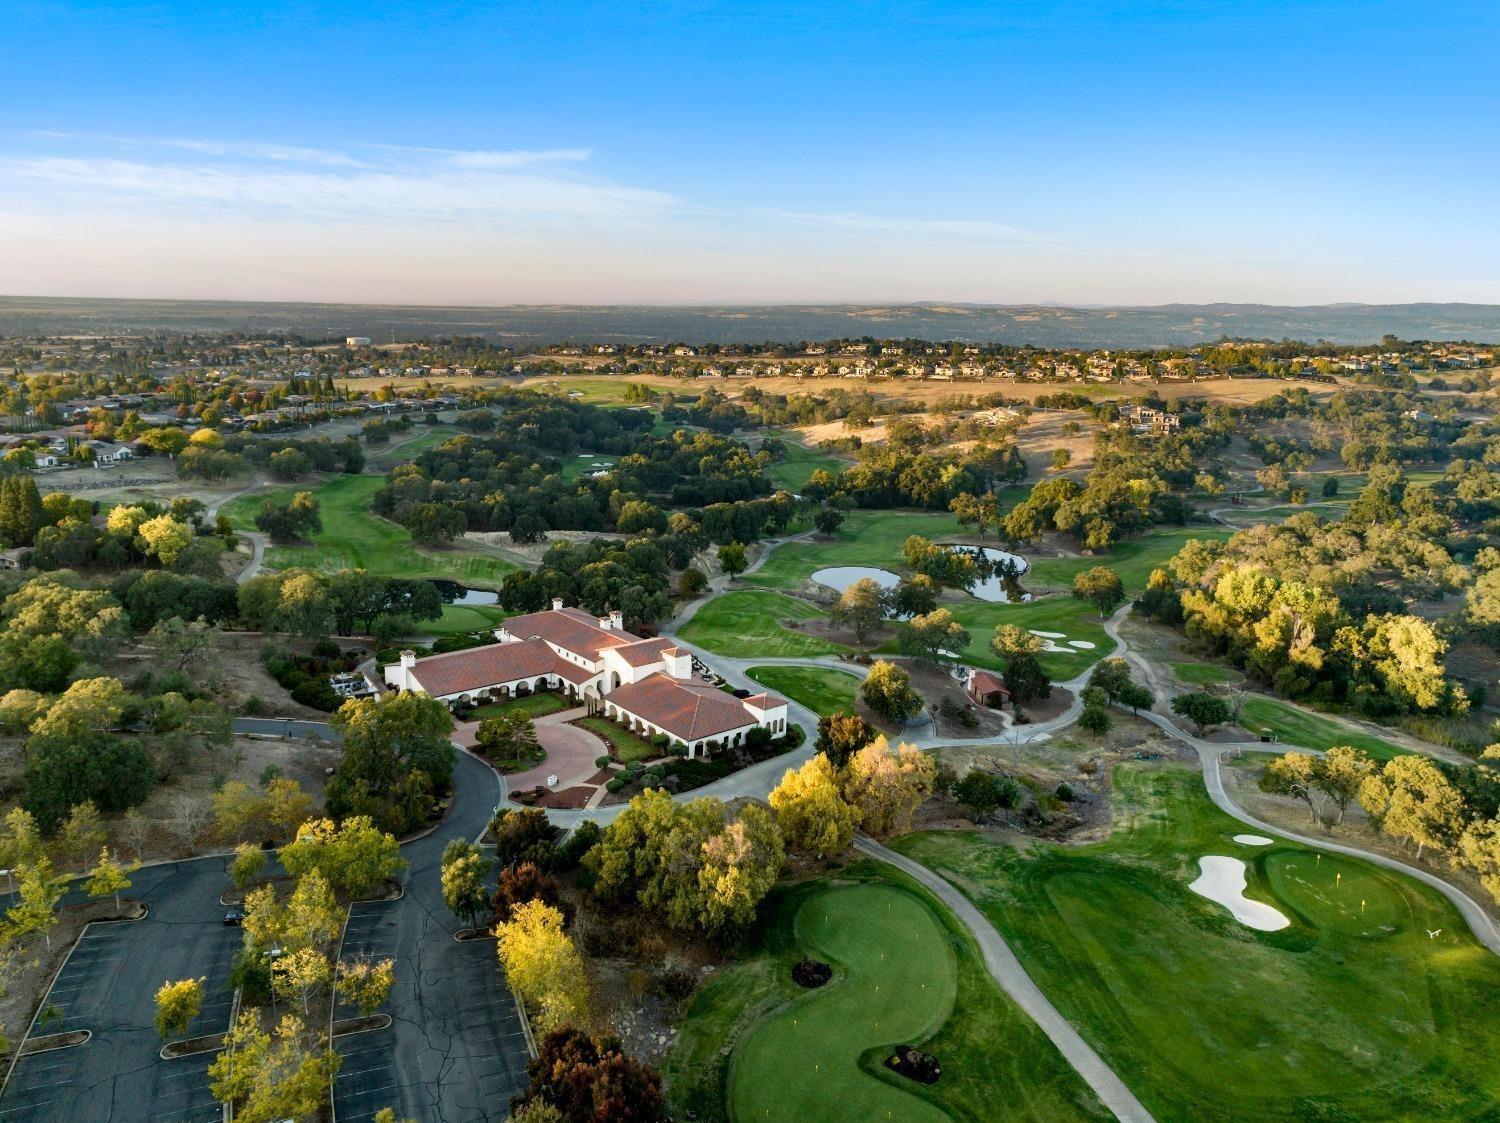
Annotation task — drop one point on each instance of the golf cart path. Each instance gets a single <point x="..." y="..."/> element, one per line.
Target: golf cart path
<point x="1012" y="978"/>
<point x="1211" y="753"/>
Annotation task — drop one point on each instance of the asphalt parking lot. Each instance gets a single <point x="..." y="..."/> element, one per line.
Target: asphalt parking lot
<point x="108" y="986"/>
<point x="455" y="1051"/>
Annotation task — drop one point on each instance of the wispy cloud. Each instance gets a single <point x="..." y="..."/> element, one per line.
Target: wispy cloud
<point x="247" y="149"/>
<point x="431" y="184"/>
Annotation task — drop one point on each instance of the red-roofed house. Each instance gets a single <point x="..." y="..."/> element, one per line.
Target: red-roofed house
<point x="646" y="684"/>
<point x="988" y="689"/>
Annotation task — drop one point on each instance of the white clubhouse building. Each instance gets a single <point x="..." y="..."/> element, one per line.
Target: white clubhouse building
<point x="645" y="684"/>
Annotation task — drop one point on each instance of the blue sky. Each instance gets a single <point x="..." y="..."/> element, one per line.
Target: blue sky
<point x="1127" y="153"/>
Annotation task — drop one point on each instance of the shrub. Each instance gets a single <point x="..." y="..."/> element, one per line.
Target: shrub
<point x="1065" y="792"/>
<point x="614" y="785"/>
<point x="601" y="761"/>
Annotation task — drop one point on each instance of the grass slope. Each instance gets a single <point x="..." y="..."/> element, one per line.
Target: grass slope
<point x="755" y="1044"/>
<point x="744" y="624"/>
<point x="353" y="538"/>
<point x="821" y="689"/>
<point x="866" y="538"/>
<point x="1203" y="674"/>
<point x="626" y="745"/>
<point x="1309" y="731"/>
<point x="1353" y="1012"/>
<point x="799" y="462"/>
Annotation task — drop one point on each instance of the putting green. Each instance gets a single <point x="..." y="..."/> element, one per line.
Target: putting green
<point x="1355" y="1011"/>
<point x="894" y="982"/>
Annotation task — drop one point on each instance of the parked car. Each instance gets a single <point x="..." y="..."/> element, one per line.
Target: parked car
<point x="234" y="918"/>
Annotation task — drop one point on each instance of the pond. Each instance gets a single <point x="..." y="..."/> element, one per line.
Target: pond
<point x="999" y="573"/>
<point x="840" y="577"/>
<point x="454" y="593"/>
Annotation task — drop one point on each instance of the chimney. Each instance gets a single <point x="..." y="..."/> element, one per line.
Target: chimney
<point x="617" y="621"/>
<point x="408" y="659"/>
<point x="557" y="604"/>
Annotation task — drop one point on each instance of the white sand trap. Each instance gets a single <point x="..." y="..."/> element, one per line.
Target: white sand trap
<point x="1048" y="635"/>
<point x="1254" y="840"/>
<point x="1081" y="644"/>
<point x="1223" y="882"/>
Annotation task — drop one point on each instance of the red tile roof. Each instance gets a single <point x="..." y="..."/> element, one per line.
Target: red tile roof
<point x="458" y="672"/>
<point x="765" y="700"/>
<point x="568" y="628"/>
<point x="685" y="710"/>
<point x="982" y="682"/>
<point x="646" y="652"/>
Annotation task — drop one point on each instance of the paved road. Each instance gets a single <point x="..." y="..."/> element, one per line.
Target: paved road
<point x="455" y="1052"/>
<point x="109" y="987"/>
<point x="1006" y="970"/>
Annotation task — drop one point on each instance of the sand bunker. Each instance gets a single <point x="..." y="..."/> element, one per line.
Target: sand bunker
<point x="1253" y="840"/>
<point x="1048" y="635"/>
<point x="1081" y="644"/>
<point x="1223" y="882"/>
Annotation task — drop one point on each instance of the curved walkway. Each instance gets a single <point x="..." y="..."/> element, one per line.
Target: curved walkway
<point x="1007" y="971"/>
<point x="1210" y="753"/>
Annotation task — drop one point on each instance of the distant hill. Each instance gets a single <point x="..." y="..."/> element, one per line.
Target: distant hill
<point x="1044" y="325"/>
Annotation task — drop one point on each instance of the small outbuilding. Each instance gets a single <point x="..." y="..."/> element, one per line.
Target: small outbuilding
<point x="988" y="689"/>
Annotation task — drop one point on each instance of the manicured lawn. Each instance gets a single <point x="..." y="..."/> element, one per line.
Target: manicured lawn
<point x="532" y="706"/>
<point x="1352" y="1012"/>
<point x="1310" y="731"/>
<point x="582" y="465"/>
<point x="463" y="618"/>
<point x="904" y="973"/>
<point x="1057" y="613"/>
<point x="745" y="624"/>
<point x="1133" y="559"/>
<point x="821" y="689"/>
<point x="627" y="746"/>
<point x="866" y="538"/>
<point x="1203" y="674"/>
<point x="353" y="538"/>
<point x="799" y="462"/>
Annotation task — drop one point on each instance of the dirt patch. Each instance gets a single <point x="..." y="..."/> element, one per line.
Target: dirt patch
<point x="936" y="684"/>
<point x="1045" y="709"/>
<point x="567" y="799"/>
<point x="530" y="555"/>
<point x="239" y="655"/>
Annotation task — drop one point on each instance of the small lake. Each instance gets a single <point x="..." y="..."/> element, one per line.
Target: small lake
<point x="840" y="577"/>
<point x="999" y="573"/>
<point x="454" y="593"/>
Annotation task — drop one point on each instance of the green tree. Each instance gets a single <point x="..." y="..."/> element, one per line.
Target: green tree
<point x="916" y="595"/>
<point x="464" y="869"/>
<point x="1025" y="678"/>
<point x="1202" y="709"/>
<point x="934" y="638"/>
<point x="841" y="735"/>
<point x="1413" y="801"/>
<point x="35" y="910"/>
<point x="509" y="740"/>
<point x="886" y="788"/>
<point x="976" y="790"/>
<point x="249" y="863"/>
<point x="888" y="692"/>
<point x="1094" y="720"/>
<point x="177" y="1004"/>
<point x="861" y="607"/>
<point x="1009" y="641"/>
<point x="110" y="878"/>
<point x="354" y="856"/>
<point x="811" y="810"/>
<point x="732" y="559"/>
<point x="1101" y="587"/>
